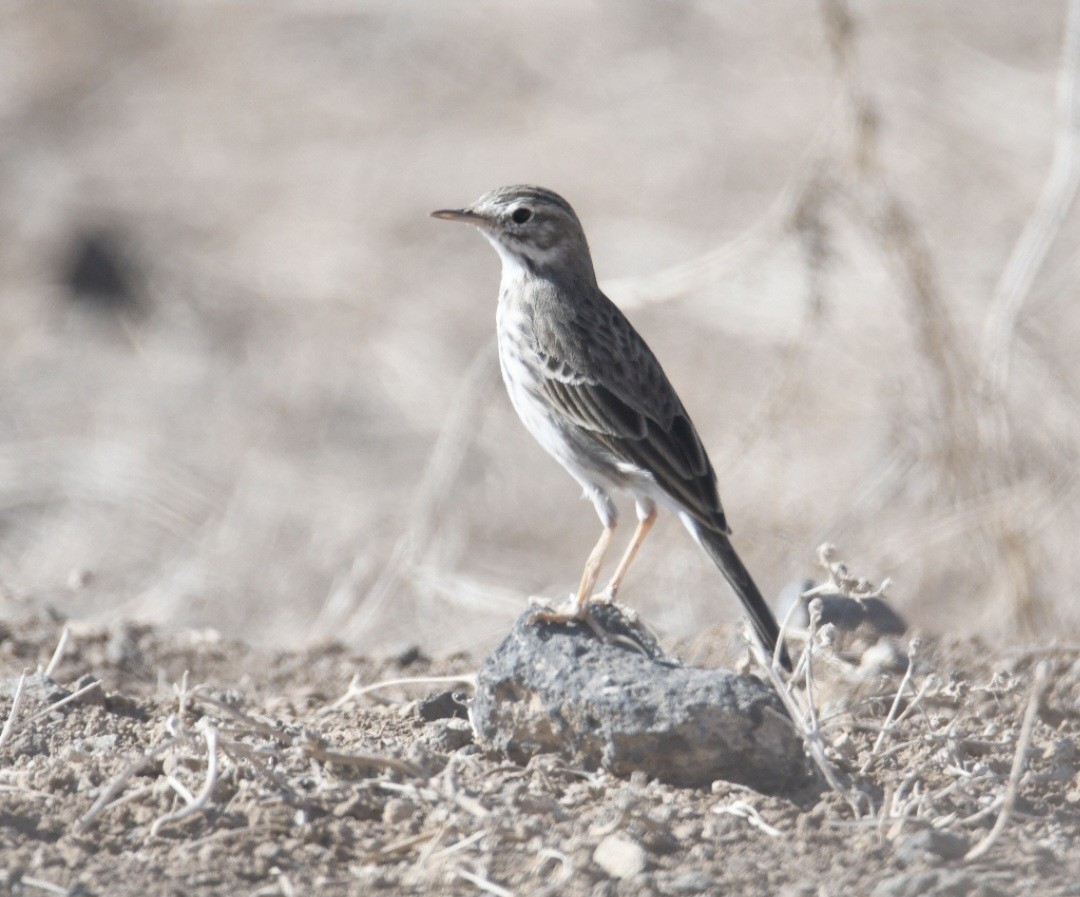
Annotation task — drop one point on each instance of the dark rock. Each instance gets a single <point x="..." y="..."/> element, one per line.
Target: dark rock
<point x="448" y="735"/>
<point x="846" y="614"/>
<point x="914" y="885"/>
<point x="444" y="705"/>
<point x="410" y="656"/>
<point x="624" y="705"/>
<point x="37" y="687"/>
<point x="944" y="883"/>
<point x="694" y="881"/>
<point x="932" y="843"/>
<point x="94" y="696"/>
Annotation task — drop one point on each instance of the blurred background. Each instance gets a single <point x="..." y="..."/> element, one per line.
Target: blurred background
<point x="246" y="383"/>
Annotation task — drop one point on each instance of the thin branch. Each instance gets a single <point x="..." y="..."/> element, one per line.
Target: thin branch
<point x="58" y="653"/>
<point x="892" y="713"/>
<point x="56" y="705"/>
<point x="354" y="690"/>
<point x="202" y="799"/>
<point x="483" y="884"/>
<point x="1053" y="205"/>
<point x="676" y="281"/>
<point x="106" y="798"/>
<point x="810" y="738"/>
<point x="743" y="810"/>
<point x="1042" y="677"/>
<point x="13" y="714"/>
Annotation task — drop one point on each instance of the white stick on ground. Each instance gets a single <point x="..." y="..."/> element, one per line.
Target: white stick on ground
<point x="202" y="799"/>
<point x="355" y="690"/>
<point x="13" y="714"/>
<point x="58" y="653"/>
<point x="106" y="798"/>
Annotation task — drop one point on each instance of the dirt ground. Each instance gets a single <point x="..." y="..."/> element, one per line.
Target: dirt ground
<point x="321" y="789"/>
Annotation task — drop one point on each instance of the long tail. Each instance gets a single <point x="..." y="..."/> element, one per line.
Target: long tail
<point x="723" y="554"/>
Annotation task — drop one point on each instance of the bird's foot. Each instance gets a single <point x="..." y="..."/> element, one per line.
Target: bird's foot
<point x="576" y="611"/>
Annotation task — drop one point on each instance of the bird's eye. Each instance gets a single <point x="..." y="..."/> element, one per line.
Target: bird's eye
<point x="520" y="215"/>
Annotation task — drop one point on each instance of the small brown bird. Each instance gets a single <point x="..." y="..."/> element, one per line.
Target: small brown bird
<point x="591" y="391"/>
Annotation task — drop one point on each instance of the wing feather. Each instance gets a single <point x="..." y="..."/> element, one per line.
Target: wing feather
<point x="625" y="414"/>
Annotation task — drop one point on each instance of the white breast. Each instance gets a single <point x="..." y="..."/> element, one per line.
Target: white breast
<point x="519" y="376"/>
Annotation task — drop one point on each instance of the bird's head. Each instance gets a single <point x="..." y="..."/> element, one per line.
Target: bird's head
<point x="531" y="228"/>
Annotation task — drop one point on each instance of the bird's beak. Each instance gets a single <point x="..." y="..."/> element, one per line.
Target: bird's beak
<point x="466" y="215"/>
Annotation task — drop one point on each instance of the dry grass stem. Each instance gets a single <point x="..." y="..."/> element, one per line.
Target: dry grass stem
<point x="484" y="884"/>
<point x="313" y="744"/>
<point x="1023" y="744"/>
<point x="13" y="714"/>
<point x="887" y="727"/>
<point x="743" y="810"/>
<point x="1042" y="228"/>
<point x="58" y="654"/>
<point x="565" y="868"/>
<point x="47" y="886"/>
<point x="199" y="802"/>
<point x="108" y="798"/>
<point x="727" y="259"/>
<point x="811" y="738"/>
<point x="355" y="690"/>
<point x="56" y="705"/>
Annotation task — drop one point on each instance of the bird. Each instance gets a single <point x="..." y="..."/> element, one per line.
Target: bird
<point x="590" y="390"/>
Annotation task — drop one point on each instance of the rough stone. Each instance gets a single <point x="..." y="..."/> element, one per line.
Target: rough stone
<point x="945" y="883"/>
<point x="619" y="856"/>
<point x="931" y="842"/>
<point x="448" y="735"/>
<point x="846" y="614"/>
<point x="624" y="705"/>
<point x="37" y="687"/>
<point x="442" y="705"/>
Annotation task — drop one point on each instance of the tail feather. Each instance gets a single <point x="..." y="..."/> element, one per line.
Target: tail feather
<point x="723" y="555"/>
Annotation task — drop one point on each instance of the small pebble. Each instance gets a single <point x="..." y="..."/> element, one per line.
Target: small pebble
<point x="934" y="842"/>
<point x="397" y="810"/>
<point x="619" y="856"/>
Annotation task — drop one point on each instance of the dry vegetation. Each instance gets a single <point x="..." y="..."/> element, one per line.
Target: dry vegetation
<point x="193" y="765"/>
<point x="850" y="239"/>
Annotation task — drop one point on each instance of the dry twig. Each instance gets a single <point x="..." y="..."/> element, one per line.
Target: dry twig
<point x="355" y="690"/>
<point x="13" y="714"/>
<point x="743" y="810"/>
<point x="1023" y="744"/>
<point x="1057" y="197"/>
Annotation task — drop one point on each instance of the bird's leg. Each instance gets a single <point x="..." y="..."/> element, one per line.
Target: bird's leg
<point x="578" y="607"/>
<point x="646" y="518"/>
<point x="592" y="571"/>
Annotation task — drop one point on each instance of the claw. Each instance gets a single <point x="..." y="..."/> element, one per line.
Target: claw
<point x="573" y="612"/>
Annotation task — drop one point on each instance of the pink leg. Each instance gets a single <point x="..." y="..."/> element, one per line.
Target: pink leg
<point x="646" y="519"/>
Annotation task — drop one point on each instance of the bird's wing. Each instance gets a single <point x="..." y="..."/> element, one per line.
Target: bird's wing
<point x="597" y="372"/>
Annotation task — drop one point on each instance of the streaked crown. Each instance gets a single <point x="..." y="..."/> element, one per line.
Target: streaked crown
<point x="531" y="227"/>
